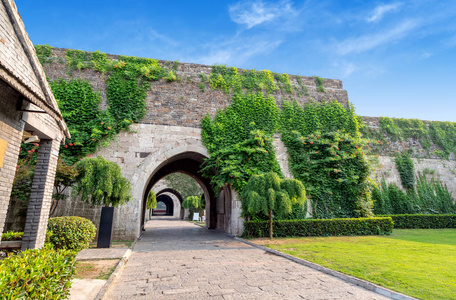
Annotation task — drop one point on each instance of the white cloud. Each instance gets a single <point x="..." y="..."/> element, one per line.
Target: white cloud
<point x="425" y="55"/>
<point x="236" y="52"/>
<point x="253" y="13"/>
<point x="379" y="12"/>
<point x="369" y="42"/>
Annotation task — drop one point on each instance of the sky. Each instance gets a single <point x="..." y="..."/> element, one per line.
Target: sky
<point x="395" y="58"/>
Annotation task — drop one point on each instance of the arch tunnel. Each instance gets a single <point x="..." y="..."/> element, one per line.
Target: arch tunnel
<point x="189" y="163"/>
<point x="167" y="202"/>
<point x="177" y="195"/>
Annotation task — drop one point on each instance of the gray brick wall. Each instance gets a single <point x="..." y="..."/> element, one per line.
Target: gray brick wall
<point x="13" y="56"/>
<point x="41" y="195"/>
<point x="11" y="128"/>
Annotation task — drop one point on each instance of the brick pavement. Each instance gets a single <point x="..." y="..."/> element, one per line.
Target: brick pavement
<point x="179" y="260"/>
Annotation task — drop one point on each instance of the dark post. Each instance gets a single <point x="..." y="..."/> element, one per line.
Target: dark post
<point x="105" y="231"/>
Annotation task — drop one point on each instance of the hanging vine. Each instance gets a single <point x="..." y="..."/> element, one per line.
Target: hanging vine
<point x="327" y="154"/>
<point x="239" y="140"/>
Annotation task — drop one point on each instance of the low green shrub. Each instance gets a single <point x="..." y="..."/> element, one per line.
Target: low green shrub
<point x="320" y="227"/>
<point x="423" y="221"/>
<point x="12" y="236"/>
<point x="37" y="274"/>
<point x="73" y="233"/>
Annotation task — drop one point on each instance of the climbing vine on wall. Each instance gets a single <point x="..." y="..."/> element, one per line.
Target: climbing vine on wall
<point x="406" y="168"/>
<point x="128" y="80"/>
<point x="239" y="140"/>
<point x="327" y="154"/>
<point x="88" y="125"/>
<point x="319" y="83"/>
<point x="231" y="80"/>
<point x="441" y="135"/>
<point x="44" y="53"/>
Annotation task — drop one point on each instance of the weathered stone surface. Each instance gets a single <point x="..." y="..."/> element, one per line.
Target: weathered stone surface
<point x="179" y="260"/>
<point x="183" y="103"/>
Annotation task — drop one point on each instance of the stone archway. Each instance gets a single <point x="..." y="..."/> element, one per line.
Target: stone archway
<point x="178" y="196"/>
<point x="189" y="163"/>
<point x="168" y="202"/>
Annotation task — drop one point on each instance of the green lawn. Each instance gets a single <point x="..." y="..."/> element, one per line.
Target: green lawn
<point x="419" y="262"/>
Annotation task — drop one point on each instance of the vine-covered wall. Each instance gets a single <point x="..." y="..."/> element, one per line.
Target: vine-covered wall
<point x="185" y="101"/>
<point x="423" y="139"/>
<point x="181" y="94"/>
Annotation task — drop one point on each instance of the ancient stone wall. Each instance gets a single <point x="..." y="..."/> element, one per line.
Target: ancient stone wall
<point x="184" y="103"/>
<point x="388" y="147"/>
<point x="171" y="127"/>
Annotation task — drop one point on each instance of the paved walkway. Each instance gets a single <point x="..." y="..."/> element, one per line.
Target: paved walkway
<point x="179" y="260"/>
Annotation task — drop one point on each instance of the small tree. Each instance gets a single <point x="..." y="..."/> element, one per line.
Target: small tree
<point x="99" y="182"/>
<point x="65" y="176"/>
<point x="267" y="194"/>
<point x="151" y="200"/>
<point x="194" y="203"/>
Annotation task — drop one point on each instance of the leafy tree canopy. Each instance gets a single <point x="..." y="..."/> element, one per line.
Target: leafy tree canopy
<point x="100" y="183"/>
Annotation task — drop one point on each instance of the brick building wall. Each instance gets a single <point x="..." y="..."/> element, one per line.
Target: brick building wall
<point x="11" y="127"/>
<point x="41" y="194"/>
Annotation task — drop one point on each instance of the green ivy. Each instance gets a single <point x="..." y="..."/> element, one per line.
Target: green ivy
<point x="327" y="154"/>
<point x="406" y="168"/>
<point x="319" y="83"/>
<point x="443" y="134"/>
<point x="88" y="125"/>
<point x="439" y="134"/>
<point x="44" y="53"/>
<point x="239" y="140"/>
<point x="230" y="80"/>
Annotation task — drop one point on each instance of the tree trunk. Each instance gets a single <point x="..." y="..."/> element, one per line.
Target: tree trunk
<point x="270" y="223"/>
<point x="55" y="202"/>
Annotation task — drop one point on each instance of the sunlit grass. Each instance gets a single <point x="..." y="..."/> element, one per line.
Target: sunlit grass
<point x="419" y="262"/>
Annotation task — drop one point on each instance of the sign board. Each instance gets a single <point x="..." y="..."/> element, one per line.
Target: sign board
<point x="3" y="145"/>
<point x="196" y="216"/>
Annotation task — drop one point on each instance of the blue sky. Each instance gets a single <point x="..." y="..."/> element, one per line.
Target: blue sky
<point x="395" y="58"/>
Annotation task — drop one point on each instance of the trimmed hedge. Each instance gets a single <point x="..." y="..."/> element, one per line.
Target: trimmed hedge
<point x="73" y="233"/>
<point x="12" y="236"/>
<point x="416" y="221"/>
<point x="320" y="227"/>
<point x="37" y="274"/>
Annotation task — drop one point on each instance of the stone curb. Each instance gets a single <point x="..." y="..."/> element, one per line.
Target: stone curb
<point x="119" y="268"/>
<point x="359" y="282"/>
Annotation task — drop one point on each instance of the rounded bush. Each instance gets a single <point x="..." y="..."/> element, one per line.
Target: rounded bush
<point x="37" y="274"/>
<point x="74" y="233"/>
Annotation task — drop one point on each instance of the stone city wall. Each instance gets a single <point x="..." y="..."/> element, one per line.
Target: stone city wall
<point x="171" y="126"/>
<point x="183" y="103"/>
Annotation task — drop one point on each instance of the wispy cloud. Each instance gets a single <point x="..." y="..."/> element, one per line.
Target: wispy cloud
<point x="369" y="42"/>
<point x="253" y="13"/>
<point x="236" y="52"/>
<point x="379" y="12"/>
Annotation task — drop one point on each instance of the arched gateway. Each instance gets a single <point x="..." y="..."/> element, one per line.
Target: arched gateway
<point x="188" y="163"/>
<point x="146" y="155"/>
<point x="172" y="193"/>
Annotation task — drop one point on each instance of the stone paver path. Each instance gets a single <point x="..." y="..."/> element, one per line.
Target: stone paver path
<point x="179" y="260"/>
